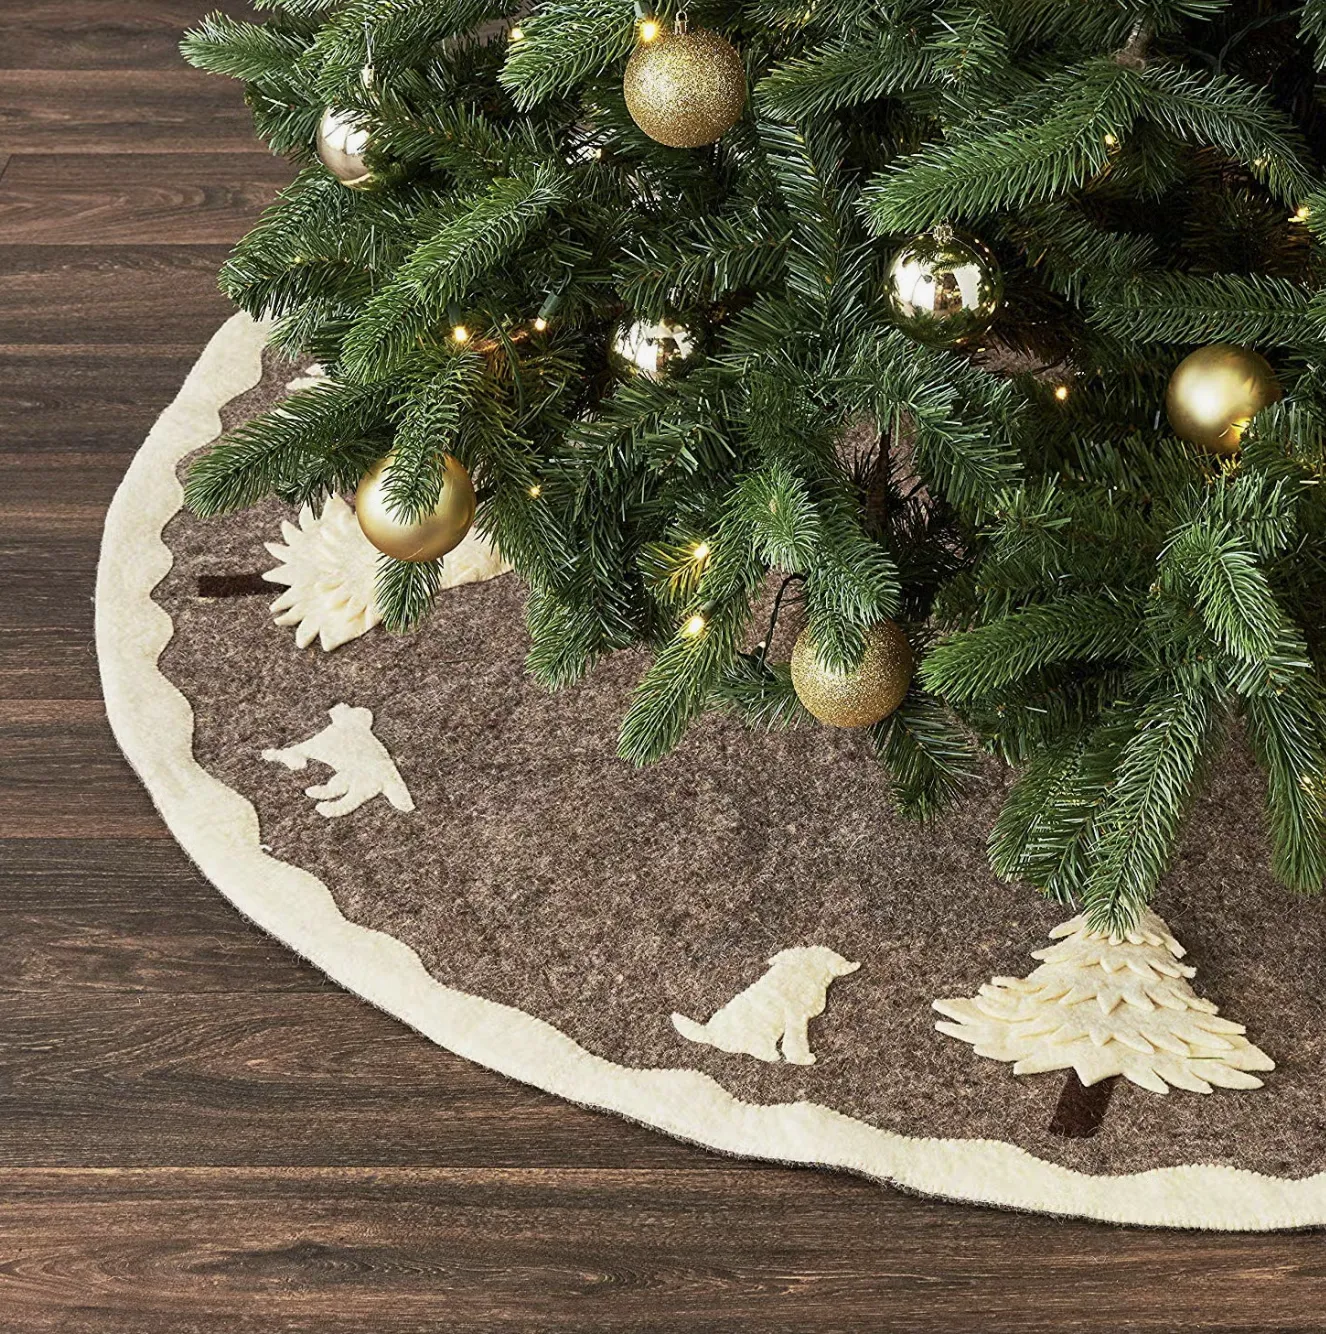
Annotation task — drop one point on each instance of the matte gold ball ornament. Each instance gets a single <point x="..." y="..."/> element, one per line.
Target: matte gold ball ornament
<point x="1215" y="392"/>
<point x="427" y="538"/>
<point x="650" y="348"/>
<point x="341" y="145"/>
<point x="857" y="698"/>
<point x="685" y="88"/>
<point x="943" y="288"/>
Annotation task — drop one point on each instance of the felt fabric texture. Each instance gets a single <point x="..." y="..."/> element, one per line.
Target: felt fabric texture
<point x="540" y="872"/>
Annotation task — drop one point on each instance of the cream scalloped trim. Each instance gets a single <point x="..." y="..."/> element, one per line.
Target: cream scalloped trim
<point x="219" y="829"/>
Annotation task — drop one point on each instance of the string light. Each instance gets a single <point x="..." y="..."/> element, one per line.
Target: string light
<point x="1061" y="392"/>
<point x="550" y="304"/>
<point x="517" y="34"/>
<point x="700" y="552"/>
<point x="1301" y="214"/>
<point x="1111" y="141"/>
<point x="535" y="491"/>
<point x="460" y="334"/>
<point x="694" y="627"/>
<point x="649" y="30"/>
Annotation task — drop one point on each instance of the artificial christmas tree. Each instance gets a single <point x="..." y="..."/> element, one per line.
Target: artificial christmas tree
<point x="1093" y="597"/>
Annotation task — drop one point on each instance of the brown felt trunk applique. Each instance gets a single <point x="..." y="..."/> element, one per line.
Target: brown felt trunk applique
<point x="1081" y="1108"/>
<point x="232" y="585"/>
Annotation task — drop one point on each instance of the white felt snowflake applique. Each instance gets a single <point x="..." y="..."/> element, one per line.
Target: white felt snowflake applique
<point x="330" y="569"/>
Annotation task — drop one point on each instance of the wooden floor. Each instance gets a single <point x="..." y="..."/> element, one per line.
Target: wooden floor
<point x="199" y="1133"/>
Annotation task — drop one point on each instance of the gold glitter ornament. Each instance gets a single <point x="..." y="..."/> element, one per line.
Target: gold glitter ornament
<point x="944" y="288"/>
<point x="341" y="145"/>
<point x="1215" y="392"/>
<point x="428" y="537"/>
<point x="861" y="697"/>
<point x="650" y="348"/>
<point x="685" y="88"/>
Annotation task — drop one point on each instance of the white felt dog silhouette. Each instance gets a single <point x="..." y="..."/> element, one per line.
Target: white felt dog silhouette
<point x="362" y="768"/>
<point x="777" y="1008"/>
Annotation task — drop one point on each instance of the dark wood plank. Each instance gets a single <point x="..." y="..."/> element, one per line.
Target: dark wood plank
<point x="36" y="660"/>
<point x="48" y="656"/>
<point x="587" y="1249"/>
<point x="61" y="775"/>
<point x="110" y="877"/>
<point x="147" y="296"/>
<point x="73" y="416"/>
<point x="100" y="34"/>
<point x="276" y="1079"/>
<point x="129" y="915"/>
<point x="108" y="111"/>
<point x="126" y="199"/>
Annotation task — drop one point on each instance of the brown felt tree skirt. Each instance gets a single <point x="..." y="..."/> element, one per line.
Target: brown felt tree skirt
<point x="541" y="872"/>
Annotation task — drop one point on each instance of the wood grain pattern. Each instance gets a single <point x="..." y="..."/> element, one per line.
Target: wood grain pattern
<point x="196" y="199"/>
<point x="136" y="35"/>
<point x="132" y="296"/>
<point x="103" y="111"/>
<point x="198" y="1132"/>
<point x="581" y="1249"/>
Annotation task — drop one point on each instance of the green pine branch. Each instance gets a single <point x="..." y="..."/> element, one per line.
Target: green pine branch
<point x="441" y="269"/>
<point x="1081" y="627"/>
<point x="1155" y="782"/>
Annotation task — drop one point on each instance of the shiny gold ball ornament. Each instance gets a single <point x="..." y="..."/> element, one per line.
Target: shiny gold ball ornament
<point x="341" y="145"/>
<point x="650" y="348"/>
<point x="425" y="538"/>
<point x="685" y="88"/>
<point x="1215" y="392"/>
<point x="944" y="288"/>
<point x="861" y="697"/>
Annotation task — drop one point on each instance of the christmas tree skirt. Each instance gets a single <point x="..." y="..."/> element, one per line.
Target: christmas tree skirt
<point x="740" y="946"/>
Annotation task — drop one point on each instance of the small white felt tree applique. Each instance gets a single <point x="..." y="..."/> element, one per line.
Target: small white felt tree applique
<point x="330" y="571"/>
<point x="311" y="377"/>
<point x="1105" y="1005"/>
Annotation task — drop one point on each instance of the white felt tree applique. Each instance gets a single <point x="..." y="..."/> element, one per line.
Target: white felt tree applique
<point x="310" y="377"/>
<point x="330" y="569"/>
<point x="361" y="767"/>
<point x="1102" y="1005"/>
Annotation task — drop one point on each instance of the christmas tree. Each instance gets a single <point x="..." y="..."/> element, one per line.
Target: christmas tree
<point x="1104" y="1005"/>
<point x="987" y="330"/>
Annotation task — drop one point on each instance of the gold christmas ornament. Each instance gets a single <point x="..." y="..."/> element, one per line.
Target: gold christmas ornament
<point x="651" y="349"/>
<point x="1215" y="392"/>
<point x="341" y="145"/>
<point x="685" y="88"/>
<point x="861" y="697"/>
<point x="426" y="538"/>
<point x="943" y="288"/>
